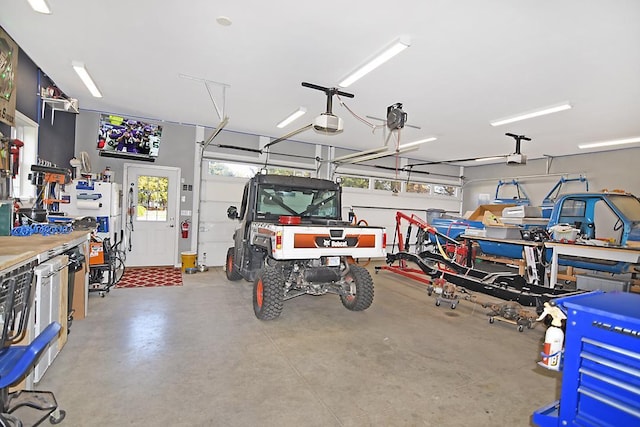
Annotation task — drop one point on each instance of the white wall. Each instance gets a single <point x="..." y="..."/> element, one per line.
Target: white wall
<point x="606" y="170"/>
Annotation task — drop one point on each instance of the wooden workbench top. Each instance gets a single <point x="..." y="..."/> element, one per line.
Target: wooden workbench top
<point x="17" y="249"/>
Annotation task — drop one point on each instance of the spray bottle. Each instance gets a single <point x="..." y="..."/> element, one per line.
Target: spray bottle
<point x="553" y="339"/>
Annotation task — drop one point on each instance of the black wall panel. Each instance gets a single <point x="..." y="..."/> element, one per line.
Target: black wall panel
<point x="27" y="87"/>
<point x="56" y="143"/>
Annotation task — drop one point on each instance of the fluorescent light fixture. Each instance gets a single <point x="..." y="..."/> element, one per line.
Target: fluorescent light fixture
<point x="86" y="78"/>
<point x="415" y="143"/>
<point x="360" y="153"/>
<point x="488" y="159"/>
<point x="379" y="155"/>
<point x="397" y="46"/>
<point x="532" y="114"/>
<point x="291" y="117"/>
<point x="610" y="143"/>
<point x="40" y="6"/>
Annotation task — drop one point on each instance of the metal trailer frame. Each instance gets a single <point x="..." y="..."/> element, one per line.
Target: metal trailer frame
<point x="505" y="286"/>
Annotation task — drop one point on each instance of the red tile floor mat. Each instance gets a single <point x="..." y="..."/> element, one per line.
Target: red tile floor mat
<point x="150" y="277"/>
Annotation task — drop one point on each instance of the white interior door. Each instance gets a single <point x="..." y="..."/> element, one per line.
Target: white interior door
<point x="151" y="217"/>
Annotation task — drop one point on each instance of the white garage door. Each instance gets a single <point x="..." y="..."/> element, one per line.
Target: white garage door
<point x="216" y="230"/>
<point x="376" y="207"/>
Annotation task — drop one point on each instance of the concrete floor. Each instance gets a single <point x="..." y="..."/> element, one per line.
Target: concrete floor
<point x="196" y="356"/>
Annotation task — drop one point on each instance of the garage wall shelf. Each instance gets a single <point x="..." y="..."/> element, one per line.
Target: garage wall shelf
<point x="59" y="104"/>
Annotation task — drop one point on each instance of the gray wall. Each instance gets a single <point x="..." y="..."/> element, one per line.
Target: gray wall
<point x="606" y="170"/>
<point x="177" y="149"/>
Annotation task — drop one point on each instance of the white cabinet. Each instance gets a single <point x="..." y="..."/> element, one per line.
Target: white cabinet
<point x="49" y="305"/>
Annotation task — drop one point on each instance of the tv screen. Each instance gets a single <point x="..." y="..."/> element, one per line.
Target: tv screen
<point x="128" y="138"/>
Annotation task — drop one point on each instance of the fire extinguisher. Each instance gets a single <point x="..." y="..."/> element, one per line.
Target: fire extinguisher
<point x="184" y="226"/>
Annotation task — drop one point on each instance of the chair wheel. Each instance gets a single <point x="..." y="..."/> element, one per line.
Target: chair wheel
<point x="57" y="416"/>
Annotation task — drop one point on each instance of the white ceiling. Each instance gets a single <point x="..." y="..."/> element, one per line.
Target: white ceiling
<point x="470" y="62"/>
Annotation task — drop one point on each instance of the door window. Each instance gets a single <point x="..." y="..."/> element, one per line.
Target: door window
<point x="153" y="193"/>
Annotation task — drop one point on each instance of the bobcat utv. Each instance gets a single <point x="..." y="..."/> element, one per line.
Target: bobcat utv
<point x="292" y="241"/>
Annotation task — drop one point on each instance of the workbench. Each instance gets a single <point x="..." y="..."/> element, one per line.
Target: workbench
<point x="16" y="251"/>
<point x="608" y="253"/>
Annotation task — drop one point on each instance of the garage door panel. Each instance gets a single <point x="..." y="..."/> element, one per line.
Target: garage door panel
<point x="216" y="229"/>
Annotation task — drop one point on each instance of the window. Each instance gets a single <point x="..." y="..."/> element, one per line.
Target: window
<point x="243" y="170"/>
<point x="445" y="190"/>
<point x="354" y="182"/>
<point x="26" y="131"/>
<point x="153" y="193"/>
<point x="232" y="169"/>
<point x="573" y="208"/>
<point x="306" y="202"/>
<point x="418" y="187"/>
<point x="288" y="172"/>
<point x="387" y="185"/>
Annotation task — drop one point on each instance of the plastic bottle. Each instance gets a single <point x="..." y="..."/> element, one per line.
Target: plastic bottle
<point x="553" y="338"/>
<point x="106" y="175"/>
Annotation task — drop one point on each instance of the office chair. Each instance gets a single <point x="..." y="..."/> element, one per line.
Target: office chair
<point x="24" y="407"/>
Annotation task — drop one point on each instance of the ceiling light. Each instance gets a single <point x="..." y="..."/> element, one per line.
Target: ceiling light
<point x="40" y="6"/>
<point x="291" y="117"/>
<point x="488" y="159"/>
<point x="610" y="143"/>
<point x="386" y="54"/>
<point x="414" y="143"/>
<point x="531" y="114"/>
<point x="225" y="21"/>
<point x="86" y="78"/>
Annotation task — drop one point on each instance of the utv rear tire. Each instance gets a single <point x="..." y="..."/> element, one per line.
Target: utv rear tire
<point x="360" y="295"/>
<point x="232" y="273"/>
<point x="268" y="293"/>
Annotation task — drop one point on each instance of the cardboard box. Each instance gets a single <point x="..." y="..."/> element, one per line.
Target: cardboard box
<point x="478" y="214"/>
<point x="96" y="253"/>
<point x="79" y="294"/>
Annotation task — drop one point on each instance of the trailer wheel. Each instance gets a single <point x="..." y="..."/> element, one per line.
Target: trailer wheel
<point x="268" y="294"/>
<point x="360" y="291"/>
<point x="232" y="273"/>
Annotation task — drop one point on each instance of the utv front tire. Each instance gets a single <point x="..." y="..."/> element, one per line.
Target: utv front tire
<point x="360" y="289"/>
<point x="268" y="293"/>
<point x="232" y="273"/>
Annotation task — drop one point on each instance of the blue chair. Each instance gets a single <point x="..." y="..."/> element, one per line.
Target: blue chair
<point x="24" y="407"/>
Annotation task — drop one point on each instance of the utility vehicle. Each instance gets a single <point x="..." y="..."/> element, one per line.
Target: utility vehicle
<point x="292" y="241"/>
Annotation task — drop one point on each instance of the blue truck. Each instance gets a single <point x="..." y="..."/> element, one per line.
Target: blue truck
<point x="608" y="218"/>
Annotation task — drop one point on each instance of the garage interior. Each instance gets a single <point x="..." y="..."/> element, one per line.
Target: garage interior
<point x="484" y="107"/>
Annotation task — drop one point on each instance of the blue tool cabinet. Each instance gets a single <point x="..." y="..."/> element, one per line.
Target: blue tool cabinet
<point x="601" y="375"/>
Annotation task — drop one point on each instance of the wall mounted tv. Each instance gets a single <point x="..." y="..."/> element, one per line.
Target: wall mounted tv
<point x="128" y="138"/>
